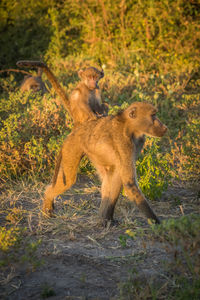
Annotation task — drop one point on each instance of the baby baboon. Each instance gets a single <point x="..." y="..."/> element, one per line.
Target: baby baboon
<point x="84" y="103"/>
<point x="111" y="143"/>
<point x="34" y="83"/>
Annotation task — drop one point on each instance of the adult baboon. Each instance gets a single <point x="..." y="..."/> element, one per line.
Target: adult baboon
<point x="84" y="103"/>
<point x="112" y="144"/>
<point x="34" y="83"/>
<point x="30" y="82"/>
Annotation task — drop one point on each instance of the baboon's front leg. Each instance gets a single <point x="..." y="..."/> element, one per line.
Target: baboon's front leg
<point x="110" y="190"/>
<point x="134" y="194"/>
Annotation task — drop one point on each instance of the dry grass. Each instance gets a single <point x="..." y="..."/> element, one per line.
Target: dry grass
<point x="76" y="236"/>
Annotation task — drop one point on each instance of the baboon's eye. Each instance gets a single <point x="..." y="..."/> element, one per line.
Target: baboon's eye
<point x="153" y="117"/>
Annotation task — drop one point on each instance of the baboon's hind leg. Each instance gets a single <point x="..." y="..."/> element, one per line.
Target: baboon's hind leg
<point x="64" y="177"/>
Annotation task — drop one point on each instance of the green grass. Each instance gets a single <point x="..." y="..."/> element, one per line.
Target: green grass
<point x="151" y="53"/>
<point x="181" y="279"/>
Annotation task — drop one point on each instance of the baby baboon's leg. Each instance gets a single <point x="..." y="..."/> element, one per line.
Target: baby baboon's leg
<point x="65" y="175"/>
<point x="110" y="190"/>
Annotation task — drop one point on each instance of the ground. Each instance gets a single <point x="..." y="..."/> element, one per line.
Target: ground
<point x="75" y="257"/>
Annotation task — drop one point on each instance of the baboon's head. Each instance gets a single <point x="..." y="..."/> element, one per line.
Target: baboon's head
<point x="91" y="77"/>
<point x="142" y="119"/>
<point x="32" y="83"/>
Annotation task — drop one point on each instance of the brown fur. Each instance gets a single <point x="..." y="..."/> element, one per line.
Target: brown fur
<point x="34" y="83"/>
<point x="57" y="168"/>
<point x="84" y="103"/>
<point x="112" y="144"/>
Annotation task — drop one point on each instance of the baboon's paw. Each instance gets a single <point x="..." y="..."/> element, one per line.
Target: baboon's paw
<point x="47" y="211"/>
<point x="109" y="223"/>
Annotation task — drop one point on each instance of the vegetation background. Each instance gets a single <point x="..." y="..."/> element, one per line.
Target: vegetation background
<point x="150" y="52"/>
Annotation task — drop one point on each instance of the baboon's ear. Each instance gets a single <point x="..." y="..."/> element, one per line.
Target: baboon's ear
<point x="80" y="74"/>
<point x="133" y="113"/>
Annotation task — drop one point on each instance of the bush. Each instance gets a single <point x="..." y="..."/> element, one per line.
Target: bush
<point x="132" y="35"/>
<point x="32" y="130"/>
<point x="151" y="53"/>
<point x="9" y="237"/>
<point x="153" y="170"/>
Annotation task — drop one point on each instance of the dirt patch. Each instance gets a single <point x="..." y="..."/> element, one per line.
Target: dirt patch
<point x="77" y="258"/>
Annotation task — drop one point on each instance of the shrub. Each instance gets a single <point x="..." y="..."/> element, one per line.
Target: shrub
<point x="153" y="170"/>
<point x="32" y="129"/>
<point x="9" y="237"/>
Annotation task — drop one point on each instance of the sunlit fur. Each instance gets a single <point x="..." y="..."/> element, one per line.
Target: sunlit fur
<point x="84" y="103"/>
<point x="112" y="144"/>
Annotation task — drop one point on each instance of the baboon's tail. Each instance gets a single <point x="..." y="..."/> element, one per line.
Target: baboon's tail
<point x="50" y="76"/>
